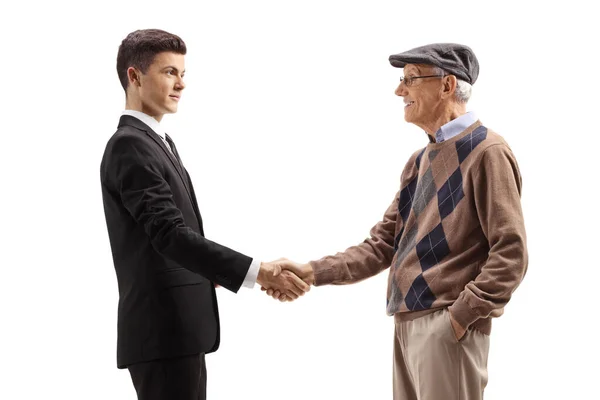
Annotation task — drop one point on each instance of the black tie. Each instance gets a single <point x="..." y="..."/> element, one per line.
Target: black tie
<point x="174" y="149"/>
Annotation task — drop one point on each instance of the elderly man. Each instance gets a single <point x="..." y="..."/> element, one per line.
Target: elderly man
<point x="453" y="237"/>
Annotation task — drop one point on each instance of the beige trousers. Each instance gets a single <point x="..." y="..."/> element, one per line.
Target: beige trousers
<point x="430" y="364"/>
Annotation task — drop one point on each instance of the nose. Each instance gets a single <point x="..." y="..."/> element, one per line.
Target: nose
<point x="401" y="90"/>
<point x="180" y="84"/>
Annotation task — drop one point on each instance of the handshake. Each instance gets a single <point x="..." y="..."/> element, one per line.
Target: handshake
<point x="285" y="280"/>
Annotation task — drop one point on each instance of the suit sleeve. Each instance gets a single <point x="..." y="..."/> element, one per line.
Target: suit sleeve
<point x="497" y="190"/>
<point x="136" y="176"/>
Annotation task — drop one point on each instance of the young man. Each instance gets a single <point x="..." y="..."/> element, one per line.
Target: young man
<point x="166" y="269"/>
<point x="453" y="236"/>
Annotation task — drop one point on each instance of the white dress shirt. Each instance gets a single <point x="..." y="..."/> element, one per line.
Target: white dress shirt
<point x="252" y="273"/>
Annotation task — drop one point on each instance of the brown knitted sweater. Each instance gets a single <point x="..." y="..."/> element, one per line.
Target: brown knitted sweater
<point x="453" y="236"/>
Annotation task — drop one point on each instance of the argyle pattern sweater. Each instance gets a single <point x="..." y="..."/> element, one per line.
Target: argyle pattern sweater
<point x="453" y="236"/>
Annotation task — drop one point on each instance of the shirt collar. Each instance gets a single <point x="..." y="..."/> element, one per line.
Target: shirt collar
<point x="456" y="126"/>
<point x="148" y="120"/>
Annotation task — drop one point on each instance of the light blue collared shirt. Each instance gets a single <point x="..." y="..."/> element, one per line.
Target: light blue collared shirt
<point x="252" y="273"/>
<point x="456" y="126"/>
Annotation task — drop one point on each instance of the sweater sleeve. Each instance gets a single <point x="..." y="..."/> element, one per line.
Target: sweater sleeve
<point x="364" y="260"/>
<point x="497" y="192"/>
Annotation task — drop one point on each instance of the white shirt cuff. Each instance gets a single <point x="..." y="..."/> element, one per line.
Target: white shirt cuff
<point x="252" y="274"/>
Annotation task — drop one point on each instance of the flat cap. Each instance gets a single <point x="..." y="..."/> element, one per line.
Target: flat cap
<point x="457" y="59"/>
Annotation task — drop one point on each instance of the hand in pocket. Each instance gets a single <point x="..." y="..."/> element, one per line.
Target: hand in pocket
<point x="458" y="330"/>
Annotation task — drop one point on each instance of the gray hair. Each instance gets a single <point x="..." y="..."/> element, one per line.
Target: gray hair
<point x="463" y="89"/>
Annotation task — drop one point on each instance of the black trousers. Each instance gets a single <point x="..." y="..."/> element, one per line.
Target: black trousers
<point x="181" y="378"/>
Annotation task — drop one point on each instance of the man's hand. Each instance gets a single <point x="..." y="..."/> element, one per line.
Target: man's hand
<point x="459" y="331"/>
<point x="271" y="276"/>
<point x="303" y="271"/>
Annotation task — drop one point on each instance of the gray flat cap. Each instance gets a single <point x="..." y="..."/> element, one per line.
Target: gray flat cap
<point x="457" y="59"/>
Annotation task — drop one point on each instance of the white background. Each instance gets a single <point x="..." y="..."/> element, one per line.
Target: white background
<point x="295" y="142"/>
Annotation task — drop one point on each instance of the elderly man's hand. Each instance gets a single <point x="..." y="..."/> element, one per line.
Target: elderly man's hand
<point x="271" y="276"/>
<point x="459" y="331"/>
<point x="303" y="271"/>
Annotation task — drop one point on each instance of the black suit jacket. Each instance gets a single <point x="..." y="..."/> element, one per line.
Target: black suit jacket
<point x="165" y="266"/>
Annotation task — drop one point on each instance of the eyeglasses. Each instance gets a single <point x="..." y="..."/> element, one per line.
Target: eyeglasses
<point x="409" y="80"/>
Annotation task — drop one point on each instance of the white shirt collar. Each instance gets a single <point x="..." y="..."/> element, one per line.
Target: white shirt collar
<point x="148" y="120"/>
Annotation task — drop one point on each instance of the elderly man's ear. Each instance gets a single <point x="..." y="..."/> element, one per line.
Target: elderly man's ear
<point x="448" y="86"/>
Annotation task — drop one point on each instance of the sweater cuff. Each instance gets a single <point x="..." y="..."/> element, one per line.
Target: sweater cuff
<point x="463" y="313"/>
<point x="324" y="273"/>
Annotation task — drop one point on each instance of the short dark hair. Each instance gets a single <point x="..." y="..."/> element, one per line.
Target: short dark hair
<point x="140" y="47"/>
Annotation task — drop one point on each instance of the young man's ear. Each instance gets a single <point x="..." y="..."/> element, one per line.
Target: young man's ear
<point x="133" y="75"/>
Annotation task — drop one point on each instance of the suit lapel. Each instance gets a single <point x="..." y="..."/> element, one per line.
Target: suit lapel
<point x="168" y="153"/>
<point x="136" y="123"/>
